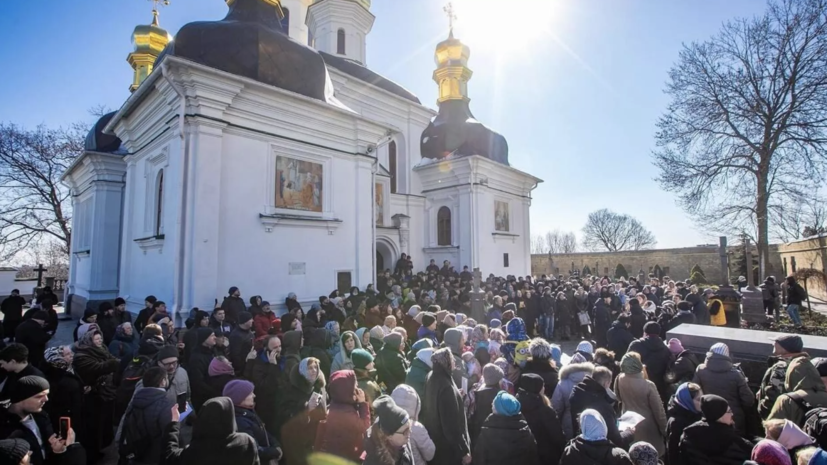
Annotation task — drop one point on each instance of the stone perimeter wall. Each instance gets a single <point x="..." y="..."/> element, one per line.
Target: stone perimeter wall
<point x="676" y="263"/>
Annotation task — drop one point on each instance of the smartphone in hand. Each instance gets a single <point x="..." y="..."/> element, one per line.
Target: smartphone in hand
<point x="65" y="426"/>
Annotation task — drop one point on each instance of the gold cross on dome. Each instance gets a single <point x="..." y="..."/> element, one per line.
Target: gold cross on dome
<point x="452" y="16"/>
<point x="155" y="10"/>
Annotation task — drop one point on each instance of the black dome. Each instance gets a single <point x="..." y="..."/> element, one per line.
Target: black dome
<point x="249" y="42"/>
<point x="455" y="131"/>
<point x="98" y="141"/>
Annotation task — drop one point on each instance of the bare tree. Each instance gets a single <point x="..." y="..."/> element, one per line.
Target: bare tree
<point x="35" y="208"/>
<point x="800" y="218"/>
<point x="614" y="232"/>
<point x="746" y="125"/>
<point x="561" y="242"/>
<point x="539" y="244"/>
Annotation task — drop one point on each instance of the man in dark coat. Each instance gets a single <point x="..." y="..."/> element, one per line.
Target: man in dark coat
<point x="266" y="373"/>
<point x="618" y="337"/>
<point x="199" y="365"/>
<point x="32" y="334"/>
<point x="602" y="319"/>
<point x="593" y="393"/>
<point x="148" y="415"/>
<point x="684" y="315"/>
<point x="541" y="418"/>
<point x="241" y="342"/>
<point x="143" y="316"/>
<point x="655" y="355"/>
<point x="637" y="318"/>
<point x="443" y="413"/>
<point x="505" y="437"/>
<point x="12" y="308"/>
<point x="106" y="322"/>
<point x="14" y="362"/>
<point x="233" y="305"/>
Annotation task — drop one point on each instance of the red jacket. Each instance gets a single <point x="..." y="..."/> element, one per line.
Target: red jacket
<point x="343" y="433"/>
<point x="263" y="322"/>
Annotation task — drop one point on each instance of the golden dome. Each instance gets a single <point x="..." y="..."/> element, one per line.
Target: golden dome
<point x="148" y="41"/>
<point x="452" y="52"/>
<point x="452" y="73"/>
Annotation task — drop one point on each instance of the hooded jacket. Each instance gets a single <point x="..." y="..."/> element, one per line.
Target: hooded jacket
<point x="683" y="370"/>
<point x="342" y="360"/>
<point x="391" y="366"/>
<point x="803" y="382"/>
<point x="679" y="419"/>
<point x="453" y="338"/>
<point x="545" y="426"/>
<point x="291" y="350"/>
<point x="343" y="433"/>
<point x="706" y="443"/>
<point x="316" y="346"/>
<point x="267" y="379"/>
<point x="718" y="376"/>
<point x="505" y="440"/>
<point x="298" y="425"/>
<point x="570" y="376"/>
<point x="656" y="356"/>
<point x="148" y="416"/>
<point x="418" y="372"/>
<point x="215" y="439"/>
<point x="233" y="306"/>
<point x="444" y="418"/>
<point x="638" y="317"/>
<point x="422" y="446"/>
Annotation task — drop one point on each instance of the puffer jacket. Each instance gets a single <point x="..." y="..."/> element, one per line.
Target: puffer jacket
<point x="713" y="444"/>
<point x="422" y="446"/>
<point x="718" y="376"/>
<point x="505" y="440"/>
<point x="571" y="375"/>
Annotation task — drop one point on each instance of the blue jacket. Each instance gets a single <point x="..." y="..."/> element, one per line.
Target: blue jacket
<point x="248" y="422"/>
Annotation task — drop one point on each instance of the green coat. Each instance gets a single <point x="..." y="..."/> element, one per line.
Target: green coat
<point x="417" y="374"/>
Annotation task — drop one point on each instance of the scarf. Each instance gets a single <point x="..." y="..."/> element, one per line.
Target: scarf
<point x="54" y="357"/>
<point x="631" y="365"/>
<point x="684" y="398"/>
<point x="592" y="425"/>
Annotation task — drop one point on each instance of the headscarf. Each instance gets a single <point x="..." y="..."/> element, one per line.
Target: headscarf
<point x="684" y="398"/>
<point x="54" y="357"/>
<point x="556" y="354"/>
<point x="478" y="337"/>
<point x="219" y="367"/>
<point x="643" y="453"/>
<point x="768" y="452"/>
<point x="119" y="331"/>
<point x="86" y="342"/>
<point x="216" y="435"/>
<point x="303" y="369"/>
<point x="631" y="365"/>
<point x="443" y="358"/>
<point x="792" y="436"/>
<point x="592" y="425"/>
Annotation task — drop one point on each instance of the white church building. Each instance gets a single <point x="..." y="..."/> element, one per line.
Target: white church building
<point x="259" y="151"/>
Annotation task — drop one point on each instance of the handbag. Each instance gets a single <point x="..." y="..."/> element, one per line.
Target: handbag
<point x="584" y="318"/>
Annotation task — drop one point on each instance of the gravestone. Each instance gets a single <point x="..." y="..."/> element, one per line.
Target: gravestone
<point x="752" y="302"/>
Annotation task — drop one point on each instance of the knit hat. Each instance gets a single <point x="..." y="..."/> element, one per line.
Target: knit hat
<point x="592" y="425"/>
<point x="495" y="323"/>
<point x="532" y="382"/>
<point x="167" y="352"/>
<point x="377" y="333"/>
<point x="238" y="390"/>
<point x="578" y="358"/>
<point x="713" y="407"/>
<point x="390" y="416"/>
<point x="768" y="452"/>
<point x="631" y="365"/>
<point x="26" y="387"/>
<point x="506" y="404"/>
<point x="219" y="367"/>
<point x="643" y="453"/>
<point x="244" y="317"/>
<point x="651" y="328"/>
<point x="393" y="340"/>
<point x="675" y="346"/>
<point x="819" y="458"/>
<point x="586" y="347"/>
<point x="492" y="375"/>
<point x="361" y="358"/>
<point x="684" y="306"/>
<point x="202" y="334"/>
<point x="12" y="451"/>
<point x="119" y="301"/>
<point x="232" y="290"/>
<point x="540" y="349"/>
<point x="792" y="343"/>
<point x="428" y="319"/>
<point x="720" y="348"/>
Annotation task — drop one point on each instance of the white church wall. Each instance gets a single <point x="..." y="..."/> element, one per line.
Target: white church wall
<point x="499" y="237"/>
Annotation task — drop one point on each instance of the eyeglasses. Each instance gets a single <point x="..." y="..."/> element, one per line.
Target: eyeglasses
<point x="170" y="364"/>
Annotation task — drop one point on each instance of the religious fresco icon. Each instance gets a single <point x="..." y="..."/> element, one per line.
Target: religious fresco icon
<point x="501" y="220"/>
<point x="380" y="204"/>
<point x="299" y="184"/>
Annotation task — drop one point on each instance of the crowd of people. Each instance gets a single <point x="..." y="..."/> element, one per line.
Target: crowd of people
<point x="407" y="372"/>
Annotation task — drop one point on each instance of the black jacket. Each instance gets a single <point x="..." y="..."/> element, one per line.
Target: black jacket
<point x="589" y="394"/>
<point x="713" y="444"/>
<point x="12" y="308"/>
<point x="545" y="370"/>
<point x="241" y="343"/>
<point x="266" y="377"/>
<point x="233" y="306"/>
<point x="545" y="426"/>
<point x="505" y="441"/>
<point x="34" y="337"/>
<point x="656" y="356"/>
<point x="107" y="325"/>
<point x="483" y="400"/>
<point x="198" y="371"/>
<point x="12" y="378"/>
<point x="148" y="415"/>
<point x="248" y="422"/>
<point x="65" y="398"/>
<point x="683" y="369"/>
<point x="603" y="452"/>
<point x="679" y="319"/>
<point x="679" y="419"/>
<point x="142" y="319"/>
<point x="96" y="367"/>
<point x="619" y="338"/>
<point x="10" y="424"/>
<point x="443" y="415"/>
<point x="638" y="317"/>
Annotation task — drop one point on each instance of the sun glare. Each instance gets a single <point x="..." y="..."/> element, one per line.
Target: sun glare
<point x="507" y="27"/>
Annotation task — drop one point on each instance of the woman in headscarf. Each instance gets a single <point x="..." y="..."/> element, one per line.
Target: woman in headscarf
<point x="125" y="343"/>
<point x="684" y="410"/>
<point x="332" y="330"/>
<point x="591" y="446"/>
<point x="292" y="303"/>
<point x="220" y="373"/>
<point x="302" y="406"/>
<point x="347" y="344"/>
<point x="363" y="335"/>
<point x="768" y="452"/>
<point x="215" y="438"/>
<point x="66" y="393"/>
<point x="643" y="453"/>
<point x="444" y="413"/>
<point x="638" y="394"/>
<point x="343" y="432"/>
<point x="95" y="366"/>
<point x="90" y="317"/>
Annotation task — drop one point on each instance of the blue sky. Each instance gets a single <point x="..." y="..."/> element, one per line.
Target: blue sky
<point x="576" y="88"/>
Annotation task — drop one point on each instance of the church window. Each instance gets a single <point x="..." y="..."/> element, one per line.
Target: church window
<point x="340" y="42"/>
<point x="505" y="260"/>
<point x="159" y="204"/>
<point x="443" y="221"/>
<point x="344" y="281"/>
<point x="392" y="165"/>
<point x="285" y="22"/>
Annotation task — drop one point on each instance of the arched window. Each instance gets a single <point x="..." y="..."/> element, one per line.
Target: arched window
<point x="285" y="22"/>
<point x="392" y="165"/>
<point x="340" y="42"/>
<point x="159" y="204"/>
<point x="443" y="226"/>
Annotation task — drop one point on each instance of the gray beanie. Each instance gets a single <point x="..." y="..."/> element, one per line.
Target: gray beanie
<point x="492" y="374"/>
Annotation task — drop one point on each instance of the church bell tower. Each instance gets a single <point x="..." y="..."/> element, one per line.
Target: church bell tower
<point x="341" y="27"/>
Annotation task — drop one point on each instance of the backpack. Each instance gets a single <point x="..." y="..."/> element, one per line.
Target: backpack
<point x="815" y="419"/>
<point x="135" y="442"/>
<point x="133" y="373"/>
<point x="772" y="386"/>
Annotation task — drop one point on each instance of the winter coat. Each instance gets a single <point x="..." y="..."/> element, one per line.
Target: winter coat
<point x="679" y="419"/>
<point x="545" y="427"/>
<point x="266" y="377"/>
<point x="505" y="441"/>
<point x="618" y="339"/>
<point x="545" y="370"/>
<point x="241" y="343"/>
<point x="422" y="446"/>
<point x="316" y="347"/>
<point x="12" y="308"/>
<point x="417" y="375"/>
<point x="452" y="340"/>
<point x="291" y="350"/>
<point x="718" y="376"/>
<point x="198" y="369"/>
<point x="263" y="323"/>
<point x="656" y="356"/>
<point x="804" y="382"/>
<point x="10" y="424"/>
<point x="366" y="381"/>
<point x="444" y="417"/>
<point x="682" y="370"/>
<point x="374" y="457"/>
<point x="589" y="394"/>
<point x="95" y="366"/>
<point x="249" y="423"/>
<point x="124" y="347"/>
<point x="391" y="367"/>
<point x="215" y="439"/>
<point x="638" y="317"/>
<point x="298" y="425"/>
<point x="147" y="417"/>
<point x="679" y="319"/>
<point x="639" y="395"/>
<point x="713" y="444"/>
<point x="34" y="337"/>
<point x="483" y="407"/>
<point x="343" y="432"/>
<point x="233" y="306"/>
<point x="582" y="452"/>
<point x="11" y="378"/>
<point x="65" y="398"/>
<point x="570" y="376"/>
<point x="342" y="360"/>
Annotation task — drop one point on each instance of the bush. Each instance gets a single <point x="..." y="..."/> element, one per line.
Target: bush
<point x="620" y="272"/>
<point x="697" y="278"/>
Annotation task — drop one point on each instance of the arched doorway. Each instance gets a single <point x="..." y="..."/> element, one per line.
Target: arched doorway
<point x="386" y="255"/>
<point x="380" y="262"/>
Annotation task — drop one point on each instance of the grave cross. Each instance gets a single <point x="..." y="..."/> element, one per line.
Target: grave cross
<point x="40" y="270"/>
